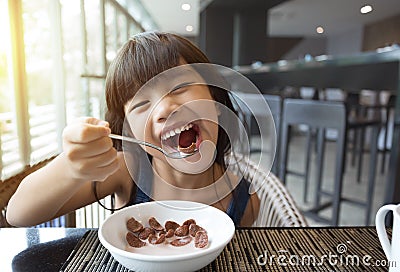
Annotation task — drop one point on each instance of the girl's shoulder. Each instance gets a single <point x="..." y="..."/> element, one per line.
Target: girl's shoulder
<point x="236" y="179"/>
<point x="245" y="202"/>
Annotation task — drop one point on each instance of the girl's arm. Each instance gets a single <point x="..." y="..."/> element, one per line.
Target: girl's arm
<point x="64" y="184"/>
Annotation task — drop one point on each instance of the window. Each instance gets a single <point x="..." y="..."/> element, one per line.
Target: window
<point x="53" y="63"/>
<point x="10" y="151"/>
<point x="54" y="56"/>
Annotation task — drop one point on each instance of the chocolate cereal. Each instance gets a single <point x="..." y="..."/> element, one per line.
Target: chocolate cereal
<point x="173" y="233"/>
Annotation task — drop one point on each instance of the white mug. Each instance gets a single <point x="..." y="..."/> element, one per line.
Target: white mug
<point x="392" y="250"/>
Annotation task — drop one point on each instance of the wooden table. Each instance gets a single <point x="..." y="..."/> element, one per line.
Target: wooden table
<point x="251" y="249"/>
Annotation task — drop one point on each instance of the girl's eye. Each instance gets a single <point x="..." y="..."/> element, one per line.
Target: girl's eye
<point x="180" y="88"/>
<point x="140" y="104"/>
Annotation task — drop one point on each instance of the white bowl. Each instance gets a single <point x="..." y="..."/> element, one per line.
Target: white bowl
<point x="219" y="227"/>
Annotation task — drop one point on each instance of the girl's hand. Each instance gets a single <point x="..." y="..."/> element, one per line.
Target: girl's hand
<point x="88" y="150"/>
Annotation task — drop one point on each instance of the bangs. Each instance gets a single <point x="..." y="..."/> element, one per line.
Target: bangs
<point x="137" y="62"/>
<point x="152" y="56"/>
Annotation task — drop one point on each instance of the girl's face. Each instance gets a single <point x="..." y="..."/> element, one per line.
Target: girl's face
<point x="175" y="111"/>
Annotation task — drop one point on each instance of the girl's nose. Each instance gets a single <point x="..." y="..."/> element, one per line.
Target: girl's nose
<point x="164" y="109"/>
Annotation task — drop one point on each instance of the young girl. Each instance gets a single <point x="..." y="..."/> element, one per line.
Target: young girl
<point x="92" y="166"/>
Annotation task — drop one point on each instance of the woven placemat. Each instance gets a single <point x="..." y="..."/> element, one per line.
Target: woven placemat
<point x="258" y="249"/>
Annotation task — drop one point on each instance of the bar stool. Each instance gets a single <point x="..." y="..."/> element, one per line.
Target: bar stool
<point x="384" y="109"/>
<point x="258" y="109"/>
<point x="357" y="122"/>
<point x="323" y="115"/>
<point x="389" y="107"/>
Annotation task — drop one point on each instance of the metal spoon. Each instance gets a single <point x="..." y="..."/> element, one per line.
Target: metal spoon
<point x="172" y="155"/>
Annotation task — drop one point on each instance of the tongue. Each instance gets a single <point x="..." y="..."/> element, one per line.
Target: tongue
<point x="187" y="137"/>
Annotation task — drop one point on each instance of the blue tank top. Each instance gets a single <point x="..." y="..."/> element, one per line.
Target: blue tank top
<point x="235" y="210"/>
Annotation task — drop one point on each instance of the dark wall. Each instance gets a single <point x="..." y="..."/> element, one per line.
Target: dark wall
<point x="234" y="37"/>
<point x="234" y="32"/>
<point x="277" y="47"/>
<point x="250" y="28"/>
<point x="216" y="35"/>
<point x="382" y="33"/>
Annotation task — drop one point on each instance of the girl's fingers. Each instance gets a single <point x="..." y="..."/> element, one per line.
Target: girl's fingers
<point x="87" y="150"/>
<point x="85" y="132"/>
<point x="106" y="158"/>
<point x="92" y="121"/>
<point x="98" y="167"/>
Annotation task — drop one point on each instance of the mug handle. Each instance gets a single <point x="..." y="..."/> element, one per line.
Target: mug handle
<point x="381" y="229"/>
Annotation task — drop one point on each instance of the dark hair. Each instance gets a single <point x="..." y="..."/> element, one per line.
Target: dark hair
<point x="141" y="58"/>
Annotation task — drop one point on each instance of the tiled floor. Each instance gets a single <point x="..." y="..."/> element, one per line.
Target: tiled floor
<point x="350" y="214"/>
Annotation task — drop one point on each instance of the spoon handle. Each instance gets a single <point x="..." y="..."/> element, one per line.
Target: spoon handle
<point x="173" y="155"/>
<point x="133" y="140"/>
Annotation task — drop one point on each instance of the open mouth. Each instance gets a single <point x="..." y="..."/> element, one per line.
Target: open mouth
<point x="184" y="139"/>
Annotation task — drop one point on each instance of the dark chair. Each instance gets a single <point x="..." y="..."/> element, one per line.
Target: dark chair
<point x="388" y="108"/>
<point x="321" y="116"/>
<point x="252" y="101"/>
<point x="358" y="122"/>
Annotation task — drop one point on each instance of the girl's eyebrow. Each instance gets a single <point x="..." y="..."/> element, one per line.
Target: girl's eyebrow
<point x="184" y="84"/>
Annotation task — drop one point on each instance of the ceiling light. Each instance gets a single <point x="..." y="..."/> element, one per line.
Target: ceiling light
<point x="189" y="28"/>
<point x="186" y="6"/>
<point x="319" y="30"/>
<point x="366" y="9"/>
